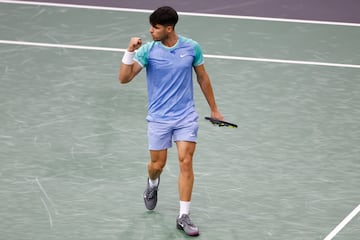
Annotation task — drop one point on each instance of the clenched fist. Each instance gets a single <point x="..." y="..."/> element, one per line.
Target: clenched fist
<point x="134" y="44"/>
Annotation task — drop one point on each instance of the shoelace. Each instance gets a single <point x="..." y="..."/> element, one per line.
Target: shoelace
<point x="150" y="192"/>
<point x="186" y="219"/>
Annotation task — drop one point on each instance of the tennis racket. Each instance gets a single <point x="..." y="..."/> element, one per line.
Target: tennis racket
<point x="221" y="123"/>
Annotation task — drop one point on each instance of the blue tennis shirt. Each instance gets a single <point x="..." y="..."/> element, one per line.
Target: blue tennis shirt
<point x="169" y="77"/>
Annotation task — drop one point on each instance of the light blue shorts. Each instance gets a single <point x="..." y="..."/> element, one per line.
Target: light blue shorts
<point x="161" y="134"/>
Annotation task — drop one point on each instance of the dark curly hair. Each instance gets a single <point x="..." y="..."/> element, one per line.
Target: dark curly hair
<point x="166" y="16"/>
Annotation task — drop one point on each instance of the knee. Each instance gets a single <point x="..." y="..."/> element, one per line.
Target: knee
<point x="186" y="164"/>
<point x="156" y="166"/>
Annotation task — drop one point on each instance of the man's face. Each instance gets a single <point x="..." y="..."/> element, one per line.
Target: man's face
<point x="160" y="32"/>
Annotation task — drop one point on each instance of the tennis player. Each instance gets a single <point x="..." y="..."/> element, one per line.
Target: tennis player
<point x="169" y="60"/>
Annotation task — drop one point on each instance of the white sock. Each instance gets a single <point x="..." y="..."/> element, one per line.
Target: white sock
<point x="184" y="208"/>
<point x="153" y="183"/>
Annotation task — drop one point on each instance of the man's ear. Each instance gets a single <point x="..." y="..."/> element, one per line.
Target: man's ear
<point x="169" y="28"/>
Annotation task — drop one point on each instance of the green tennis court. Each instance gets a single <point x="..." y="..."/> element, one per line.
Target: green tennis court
<point x="73" y="140"/>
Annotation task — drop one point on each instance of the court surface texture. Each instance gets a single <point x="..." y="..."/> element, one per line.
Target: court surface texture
<point x="73" y="145"/>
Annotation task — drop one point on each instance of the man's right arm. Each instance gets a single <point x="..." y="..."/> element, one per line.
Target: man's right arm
<point x="128" y="72"/>
<point x="128" y="68"/>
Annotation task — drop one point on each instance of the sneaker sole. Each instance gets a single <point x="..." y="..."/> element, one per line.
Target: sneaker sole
<point x="188" y="234"/>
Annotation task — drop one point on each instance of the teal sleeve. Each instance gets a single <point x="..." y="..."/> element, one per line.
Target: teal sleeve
<point x="141" y="55"/>
<point x="199" y="58"/>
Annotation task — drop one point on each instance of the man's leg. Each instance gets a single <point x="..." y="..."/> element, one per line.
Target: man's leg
<point x="186" y="181"/>
<point x="159" y="137"/>
<point x="186" y="177"/>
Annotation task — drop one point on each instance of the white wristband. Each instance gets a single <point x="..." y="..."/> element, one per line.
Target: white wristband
<point x="128" y="57"/>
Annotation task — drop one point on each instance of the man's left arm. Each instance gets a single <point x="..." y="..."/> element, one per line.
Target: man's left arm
<point x="205" y="85"/>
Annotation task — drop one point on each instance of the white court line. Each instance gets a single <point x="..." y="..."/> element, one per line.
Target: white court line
<point x="183" y="13"/>
<point x="37" y="44"/>
<point x="44" y="203"/>
<point x="343" y="223"/>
